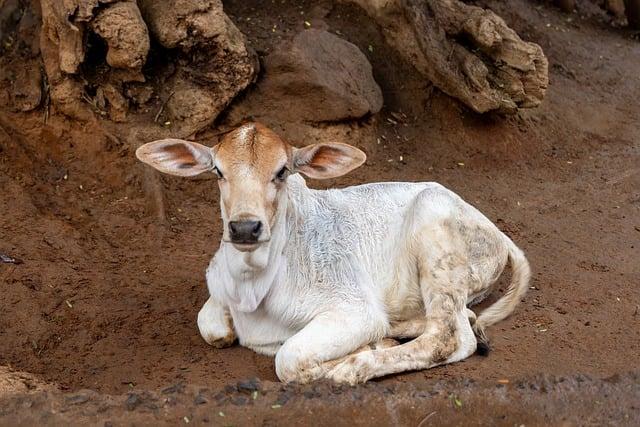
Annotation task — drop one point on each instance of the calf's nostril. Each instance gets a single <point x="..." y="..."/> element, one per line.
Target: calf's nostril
<point x="257" y="228"/>
<point x="232" y="227"/>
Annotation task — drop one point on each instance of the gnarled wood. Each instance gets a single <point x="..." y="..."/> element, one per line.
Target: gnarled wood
<point x="468" y="52"/>
<point x="211" y="62"/>
<point x="65" y="25"/>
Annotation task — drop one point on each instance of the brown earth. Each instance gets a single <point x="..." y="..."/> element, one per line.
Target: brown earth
<point x="107" y="294"/>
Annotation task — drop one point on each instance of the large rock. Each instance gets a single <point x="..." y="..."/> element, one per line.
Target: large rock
<point x="66" y="26"/>
<point x="191" y="24"/>
<point x="205" y="62"/>
<point x="316" y="77"/>
<point x="122" y="27"/>
<point x="215" y="62"/>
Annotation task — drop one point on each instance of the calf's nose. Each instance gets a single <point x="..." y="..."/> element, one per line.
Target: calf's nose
<point x="245" y="231"/>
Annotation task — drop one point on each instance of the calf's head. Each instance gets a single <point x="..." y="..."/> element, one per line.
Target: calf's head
<point x="252" y="164"/>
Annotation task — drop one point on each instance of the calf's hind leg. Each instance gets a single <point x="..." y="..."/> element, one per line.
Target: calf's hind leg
<point x="447" y="336"/>
<point x="445" y="340"/>
<point x="410" y="329"/>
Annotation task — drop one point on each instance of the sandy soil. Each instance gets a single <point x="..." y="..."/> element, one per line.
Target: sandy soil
<point x="107" y="294"/>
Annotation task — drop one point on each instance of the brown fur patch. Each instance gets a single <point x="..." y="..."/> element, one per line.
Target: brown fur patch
<point x="253" y="145"/>
<point x="249" y="157"/>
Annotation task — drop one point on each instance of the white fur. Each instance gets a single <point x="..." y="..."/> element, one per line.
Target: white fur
<point x="341" y="265"/>
<point x="212" y="321"/>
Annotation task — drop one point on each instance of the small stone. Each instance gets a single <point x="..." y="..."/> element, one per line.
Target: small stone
<point x="77" y="399"/>
<point x="283" y="398"/>
<point x="240" y="400"/>
<point x="200" y="400"/>
<point x="176" y="388"/>
<point x="249" y="385"/>
<point x="311" y="394"/>
<point x="132" y="401"/>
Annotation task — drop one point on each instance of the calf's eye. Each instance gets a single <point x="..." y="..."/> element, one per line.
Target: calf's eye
<point x="282" y="174"/>
<point x="217" y="172"/>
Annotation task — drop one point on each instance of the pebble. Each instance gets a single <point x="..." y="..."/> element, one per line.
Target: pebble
<point x="132" y="401"/>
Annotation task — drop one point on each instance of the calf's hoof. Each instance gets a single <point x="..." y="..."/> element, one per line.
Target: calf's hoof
<point x="353" y="369"/>
<point x="215" y="333"/>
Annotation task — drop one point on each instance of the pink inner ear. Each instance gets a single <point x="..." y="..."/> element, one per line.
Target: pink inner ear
<point x="176" y="157"/>
<point x="327" y="155"/>
<point x="332" y="160"/>
<point x="181" y="154"/>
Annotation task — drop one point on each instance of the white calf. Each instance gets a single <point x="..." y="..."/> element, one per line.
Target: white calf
<point x="312" y="276"/>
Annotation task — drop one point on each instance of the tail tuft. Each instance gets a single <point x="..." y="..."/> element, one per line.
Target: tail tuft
<point x="483" y="348"/>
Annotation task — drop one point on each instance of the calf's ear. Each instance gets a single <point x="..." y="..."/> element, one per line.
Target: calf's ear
<point x="177" y="157"/>
<point x="327" y="160"/>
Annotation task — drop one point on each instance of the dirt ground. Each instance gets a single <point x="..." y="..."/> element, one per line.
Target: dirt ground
<point x="98" y="321"/>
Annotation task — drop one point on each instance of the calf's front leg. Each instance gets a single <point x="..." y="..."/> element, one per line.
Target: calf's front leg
<point x="215" y="324"/>
<point x="327" y="337"/>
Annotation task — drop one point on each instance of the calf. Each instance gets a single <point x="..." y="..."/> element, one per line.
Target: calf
<point x="326" y="279"/>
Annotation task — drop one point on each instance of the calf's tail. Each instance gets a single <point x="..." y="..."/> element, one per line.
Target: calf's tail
<point x="520" y="275"/>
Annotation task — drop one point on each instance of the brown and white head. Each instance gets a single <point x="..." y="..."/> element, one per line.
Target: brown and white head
<point x="252" y="164"/>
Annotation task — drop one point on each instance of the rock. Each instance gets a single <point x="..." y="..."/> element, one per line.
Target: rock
<point x="77" y="399"/>
<point x="189" y="24"/>
<point x="139" y="94"/>
<point x="284" y="397"/>
<point x="250" y="385"/>
<point x="317" y="77"/>
<point x="27" y="87"/>
<point x="239" y="400"/>
<point x="122" y="27"/>
<point x="200" y="400"/>
<point x="192" y="107"/>
<point x="65" y="95"/>
<point x="312" y="394"/>
<point x="215" y="62"/>
<point x="230" y="389"/>
<point x="209" y="63"/>
<point x="118" y="104"/>
<point x="66" y="26"/>
<point x="132" y="402"/>
<point x="176" y="388"/>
